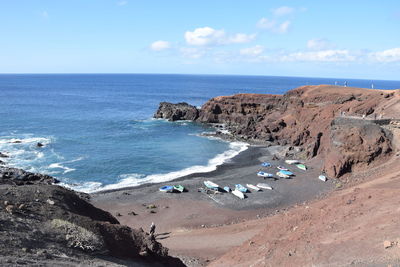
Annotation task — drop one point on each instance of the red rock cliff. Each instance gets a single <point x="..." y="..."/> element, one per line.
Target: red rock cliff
<point x="326" y="121"/>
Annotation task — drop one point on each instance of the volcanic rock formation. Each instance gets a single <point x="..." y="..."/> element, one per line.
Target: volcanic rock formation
<point x="47" y="225"/>
<point x="306" y="117"/>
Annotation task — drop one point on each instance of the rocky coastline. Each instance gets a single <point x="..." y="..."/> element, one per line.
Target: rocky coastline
<point x="338" y="130"/>
<point x="44" y="224"/>
<point x="340" y="125"/>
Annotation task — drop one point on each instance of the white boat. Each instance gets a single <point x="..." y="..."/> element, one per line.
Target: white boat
<point x="238" y="194"/>
<point x="211" y="185"/>
<point x="292" y="161"/>
<point x="264" y="186"/>
<point x="302" y="167"/>
<point x="282" y="175"/>
<point x="282" y="168"/>
<point x="251" y="186"/>
<point x="322" y="178"/>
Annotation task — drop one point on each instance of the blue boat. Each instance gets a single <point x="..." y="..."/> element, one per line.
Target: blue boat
<point x="241" y="188"/>
<point x="167" y="188"/>
<point x="287" y="172"/>
<point x="266" y="164"/>
<point x="227" y="189"/>
<point x="264" y="174"/>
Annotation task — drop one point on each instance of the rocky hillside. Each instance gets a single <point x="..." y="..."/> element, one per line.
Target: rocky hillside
<point x="334" y="123"/>
<point x="42" y="224"/>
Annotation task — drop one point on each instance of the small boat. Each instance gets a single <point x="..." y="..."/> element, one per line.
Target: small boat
<point x="264" y="186"/>
<point x="255" y="188"/>
<point x="266" y="164"/>
<point x="241" y="188"/>
<point x="264" y="174"/>
<point x="292" y="161"/>
<point x="302" y="167"/>
<point x="282" y="175"/>
<point x="227" y="189"/>
<point x="322" y="178"/>
<point x="287" y="172"/>
<point x="211" y="185"/>
<point x="238" y="194"/>
<point x="179" y="188"/>
<point x="282" y="168"/>
<point x="167" y="188"/>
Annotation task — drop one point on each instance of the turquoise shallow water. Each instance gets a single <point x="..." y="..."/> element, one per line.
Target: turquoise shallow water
<point x="98" y="132"/>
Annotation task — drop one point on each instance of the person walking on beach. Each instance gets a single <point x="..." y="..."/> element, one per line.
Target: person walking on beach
<point x="152" y="228"/>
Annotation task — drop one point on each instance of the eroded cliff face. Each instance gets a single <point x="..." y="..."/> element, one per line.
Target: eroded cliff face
<point x="304" y="117"/>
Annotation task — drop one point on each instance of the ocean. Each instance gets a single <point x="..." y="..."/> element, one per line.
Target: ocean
<point x="98" y="132"/>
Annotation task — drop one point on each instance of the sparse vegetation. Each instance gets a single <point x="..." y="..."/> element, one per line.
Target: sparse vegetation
<point x="78" y="237"/>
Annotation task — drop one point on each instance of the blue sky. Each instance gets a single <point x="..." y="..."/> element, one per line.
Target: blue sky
<point x="349" y="39"/>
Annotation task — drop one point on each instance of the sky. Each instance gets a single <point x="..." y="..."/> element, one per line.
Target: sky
<point x="341" y="39"/>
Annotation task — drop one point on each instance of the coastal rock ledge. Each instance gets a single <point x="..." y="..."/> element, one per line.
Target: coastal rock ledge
<point x="174" y="112"/>
<point x="347" y="128"/>
<point x="43" y="224"/>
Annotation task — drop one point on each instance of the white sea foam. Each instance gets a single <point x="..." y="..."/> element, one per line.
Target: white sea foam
<point x="134" y="179"/>
<point x="60" y="166"/>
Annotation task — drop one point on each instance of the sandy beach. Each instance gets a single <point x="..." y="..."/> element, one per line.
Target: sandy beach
<point x="181" y="217"/>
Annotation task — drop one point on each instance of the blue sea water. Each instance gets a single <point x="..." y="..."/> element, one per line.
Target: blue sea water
<point x="98" y="132"/>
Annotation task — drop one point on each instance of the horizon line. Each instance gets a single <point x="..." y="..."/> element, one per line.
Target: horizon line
<point x="187" y="74"/>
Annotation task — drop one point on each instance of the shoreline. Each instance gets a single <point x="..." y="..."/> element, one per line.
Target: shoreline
<point x="182" y="218"/>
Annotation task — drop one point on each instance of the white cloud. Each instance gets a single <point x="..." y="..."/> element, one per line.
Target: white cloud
<point x="122" y="3"/>
<point x="266" y="24"/>
<point x="283" y="27"/>
<point x="209" y="36"/>
<point x="241" y="38"/>
<point x="319" y="44"/>
<point x="252" y="51"/>
<point x="389" y="55"/>
<point x="321" y="56"/>
<point x="160" y="45"/>
<point x="273" y="25"/>
<point x="282" y="11"/>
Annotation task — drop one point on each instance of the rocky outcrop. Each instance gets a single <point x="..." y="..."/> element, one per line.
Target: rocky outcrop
<point x="14" y="176"/>
<point x="41" y="222"/>
<point x="303" y="118"/>
<point x="174" y="112"/>
<point x="354" y="146"/>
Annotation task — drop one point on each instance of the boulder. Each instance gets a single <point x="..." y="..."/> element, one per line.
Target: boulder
<point x="174" y="112"/>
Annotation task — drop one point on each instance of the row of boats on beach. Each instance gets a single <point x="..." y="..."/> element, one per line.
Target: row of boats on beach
<point x="240" y="190"/>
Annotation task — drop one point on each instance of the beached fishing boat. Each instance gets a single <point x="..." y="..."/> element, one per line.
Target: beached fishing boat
<point x="241" y="188"/>
<point x="211" y="185"/>
<point x="227" y="189"/>
<point x="251" y="186"/>
<point x="167" y="189"/>
<point x="282" y="168"/>
<point x="238" y="194"/>
<point x="179" y="188"/>
<point x="266" y="164"/>
<point x="292" y="161"/>
<point x="264" y="174"/>
<point x="322" y="178"/>
<point x="287" y="172"/>
<point x="282" y="175"/>
<point x="302" y="167"/>
<point x="264" y="186"/>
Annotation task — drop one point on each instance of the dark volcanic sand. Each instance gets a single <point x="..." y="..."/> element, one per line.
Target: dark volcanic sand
<point x="176" y="213"/>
